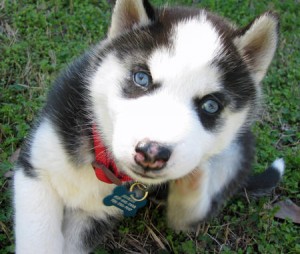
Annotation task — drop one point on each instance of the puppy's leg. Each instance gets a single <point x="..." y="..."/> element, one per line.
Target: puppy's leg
<point x="187" y="203"/>
<point x="38" y="216"/>
<point x="83" y="232"/>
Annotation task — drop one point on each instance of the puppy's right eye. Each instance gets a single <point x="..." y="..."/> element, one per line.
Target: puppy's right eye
<point x="142" y="79"/>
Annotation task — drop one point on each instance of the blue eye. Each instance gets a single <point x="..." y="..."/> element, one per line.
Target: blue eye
<point x="141" y="78"/>
<point x="211" y="106"/>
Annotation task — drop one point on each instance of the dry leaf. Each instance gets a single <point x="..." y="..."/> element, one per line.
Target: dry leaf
<point x="288" y="209"/>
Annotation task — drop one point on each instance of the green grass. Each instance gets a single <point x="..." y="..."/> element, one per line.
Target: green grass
<point x="39" y="38"/>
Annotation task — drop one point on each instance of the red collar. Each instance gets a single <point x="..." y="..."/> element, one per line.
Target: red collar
<point x="105" y="168"/>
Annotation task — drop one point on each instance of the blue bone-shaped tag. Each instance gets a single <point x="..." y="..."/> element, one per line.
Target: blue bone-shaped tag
<point x="121" y="198"/>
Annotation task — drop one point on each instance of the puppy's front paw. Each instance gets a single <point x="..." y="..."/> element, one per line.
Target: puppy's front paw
<point x="188" y="183"/>
<point x="185" y="202"/>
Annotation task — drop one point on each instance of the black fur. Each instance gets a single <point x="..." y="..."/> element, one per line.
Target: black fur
<point x="149" y="10"/>
<point x="237" y="81"/>
<point x="67" y="107"/>
<point x="24" y="163"/>
<point x="263" y="183"/>
<point x="24" y="156"/>
<point x="97" y="232"/>
<point x="159" y="193"/>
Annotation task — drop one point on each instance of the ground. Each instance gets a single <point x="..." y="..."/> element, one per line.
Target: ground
<point x="39" y="38"/>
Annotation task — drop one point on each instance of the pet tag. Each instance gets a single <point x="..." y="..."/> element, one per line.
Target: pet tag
<point x="129" y="201"/>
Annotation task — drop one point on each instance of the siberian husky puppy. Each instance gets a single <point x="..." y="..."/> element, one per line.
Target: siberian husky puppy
<point x="168" y="98"/>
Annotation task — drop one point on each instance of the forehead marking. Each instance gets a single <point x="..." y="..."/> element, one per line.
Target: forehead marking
<point x="196" y="41"/>
<point x="194" y="45"/>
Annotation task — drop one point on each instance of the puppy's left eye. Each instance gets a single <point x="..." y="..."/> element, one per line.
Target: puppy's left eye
<point x="141" y="79"/>
<point x="211" y="106"/>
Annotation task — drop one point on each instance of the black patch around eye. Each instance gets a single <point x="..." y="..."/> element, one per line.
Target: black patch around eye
<point x="131" y="90"/>
<point x="210" y="121"/>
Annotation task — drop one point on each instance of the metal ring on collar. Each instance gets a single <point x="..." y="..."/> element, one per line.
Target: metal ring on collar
<point x="142" y="187"/>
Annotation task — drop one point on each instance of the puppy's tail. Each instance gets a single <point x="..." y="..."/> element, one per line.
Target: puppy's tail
<point x="263" y="183"/>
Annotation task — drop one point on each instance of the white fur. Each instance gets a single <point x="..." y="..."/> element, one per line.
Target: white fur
<point x="185" y="72"/>
<point x="187" y="208"/>
<point x="40" y="202"/>
<point x="186" y="68"/>
<point x="279" y="165"/>
<point x="68" y="181"/>
<point x="159" y="123"/>
<point x="39" y="215"/>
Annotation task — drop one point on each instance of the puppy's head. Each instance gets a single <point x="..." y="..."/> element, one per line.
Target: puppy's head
<point x="176" y="86"/>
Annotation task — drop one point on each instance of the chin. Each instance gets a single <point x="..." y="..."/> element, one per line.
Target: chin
<point x="147" y="178"/>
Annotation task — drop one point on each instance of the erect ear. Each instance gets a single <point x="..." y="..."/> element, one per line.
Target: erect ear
<point x="129" y="14"/>
<point x="257" y="43"/>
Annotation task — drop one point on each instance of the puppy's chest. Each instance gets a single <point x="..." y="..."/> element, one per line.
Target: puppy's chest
<point x="80" y="189"/>
<point x="77" y="186"/>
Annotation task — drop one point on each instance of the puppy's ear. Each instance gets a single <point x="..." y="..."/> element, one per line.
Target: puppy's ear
<point x="257" y="43"/>
<point x="129" y="14"/>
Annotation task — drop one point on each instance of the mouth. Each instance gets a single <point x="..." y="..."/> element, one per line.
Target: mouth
<point x="148" y="175"/>
<point x="144" y="175"/>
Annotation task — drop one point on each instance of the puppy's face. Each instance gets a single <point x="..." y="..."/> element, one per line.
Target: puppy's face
<point x="169" y="96"/>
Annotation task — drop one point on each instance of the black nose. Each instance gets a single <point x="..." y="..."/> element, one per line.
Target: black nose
<point x="151" y="155"/>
